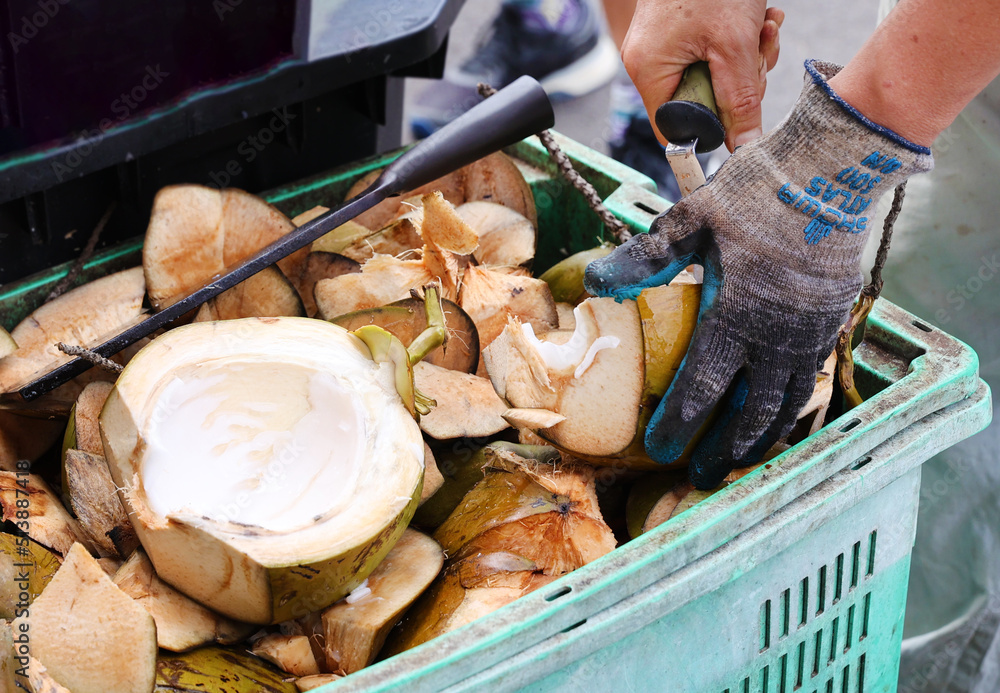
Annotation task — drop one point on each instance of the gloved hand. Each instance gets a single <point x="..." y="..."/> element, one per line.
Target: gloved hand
<point x="779" y="230"/>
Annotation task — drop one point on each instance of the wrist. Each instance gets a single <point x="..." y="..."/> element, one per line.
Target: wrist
<point x="865" y="93"/>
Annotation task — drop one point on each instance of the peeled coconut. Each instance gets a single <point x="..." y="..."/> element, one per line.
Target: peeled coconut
<point x="196" y="232"/>
<point x="267" y="465"/>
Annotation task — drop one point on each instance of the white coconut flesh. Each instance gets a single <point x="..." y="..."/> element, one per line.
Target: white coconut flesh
<point x="278" y="437"/>
<point x="578" y="352"/>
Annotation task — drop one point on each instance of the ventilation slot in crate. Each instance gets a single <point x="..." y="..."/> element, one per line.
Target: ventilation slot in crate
<point x="810" y="633"/>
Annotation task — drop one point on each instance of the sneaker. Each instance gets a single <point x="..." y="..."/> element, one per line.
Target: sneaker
<point x="570" y="55"/>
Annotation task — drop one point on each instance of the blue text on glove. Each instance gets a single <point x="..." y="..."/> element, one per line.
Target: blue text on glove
<point x="837" y="204"/>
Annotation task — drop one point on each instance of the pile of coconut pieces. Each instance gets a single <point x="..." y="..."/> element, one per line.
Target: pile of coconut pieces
<point x="502" y="512"/>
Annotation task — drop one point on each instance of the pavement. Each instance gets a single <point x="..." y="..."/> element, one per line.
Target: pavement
<point x="830" y="31"/>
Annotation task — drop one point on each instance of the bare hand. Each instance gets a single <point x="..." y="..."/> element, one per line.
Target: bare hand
<point x="738" y="39"/>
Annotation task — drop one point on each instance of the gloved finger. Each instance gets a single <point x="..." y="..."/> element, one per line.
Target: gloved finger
<point x="702" y="379"/>
<point x="764" y="400"/>
<point x="797" y="393"/>
<point x="711" y="459"/>
<point x="646" y="259"/>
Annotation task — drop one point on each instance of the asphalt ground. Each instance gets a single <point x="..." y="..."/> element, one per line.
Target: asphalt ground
<point x="831" y="31"/>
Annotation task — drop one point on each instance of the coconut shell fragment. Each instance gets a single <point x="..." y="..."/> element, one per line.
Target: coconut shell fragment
<point x="565" y="278"/>
<point x="31" y="557"/>
<point x="290" y="653"/>
<point x="182" y="624"/>
<point x="267" y="294"/>
<point x="81" y="317"/>
<point x="467" y="405"/>
<point x="215" y="668"/>
<point x="49" y="524"/>
<point x="506" y="237"/>
<point x="82" y="622"/>
<point x="83" y="432"/>
<point x="94" y="500"/>
<point x="196" y="232"/>
<point x="354" y="630"/>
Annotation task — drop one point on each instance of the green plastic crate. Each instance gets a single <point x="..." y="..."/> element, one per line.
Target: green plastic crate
<point x="793" y="578"/>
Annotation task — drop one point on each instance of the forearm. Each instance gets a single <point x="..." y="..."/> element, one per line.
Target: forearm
<point x="925" y="62"/>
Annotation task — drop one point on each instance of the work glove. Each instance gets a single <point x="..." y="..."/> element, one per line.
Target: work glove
<point x="779" y="230"/>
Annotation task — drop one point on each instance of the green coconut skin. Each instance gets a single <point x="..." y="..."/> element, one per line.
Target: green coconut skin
<point x="565" y="278"/>
<point x="221" y="670"/>
<point x="298" y="590"/>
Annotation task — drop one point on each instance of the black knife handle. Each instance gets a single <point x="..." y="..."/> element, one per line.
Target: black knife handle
<point x="691" y="112"/>
<point x="519" y="110"/>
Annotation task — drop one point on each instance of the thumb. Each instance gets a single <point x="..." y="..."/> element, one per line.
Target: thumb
<point x="736" y="79"/>
<point x="646" y="259"/>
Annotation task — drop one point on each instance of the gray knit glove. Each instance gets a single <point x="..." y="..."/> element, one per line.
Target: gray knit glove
<point x="779" y="230"/>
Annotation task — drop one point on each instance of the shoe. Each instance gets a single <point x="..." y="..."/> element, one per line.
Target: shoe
<point x="570" y="56"/>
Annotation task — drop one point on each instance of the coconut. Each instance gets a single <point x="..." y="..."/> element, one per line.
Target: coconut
<point x="528" y="521"/>
<point x="467" y="405"/>
<point x="81" y="317"/>
<point x="495" y="178"/>
<point x="197" y="232"/>
<point x="604" y="378"/>
<point x="268" y="465"/>
<point x="506" y="238"/>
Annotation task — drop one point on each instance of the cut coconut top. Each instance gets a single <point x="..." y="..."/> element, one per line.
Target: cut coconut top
<point x="256" y="429"/>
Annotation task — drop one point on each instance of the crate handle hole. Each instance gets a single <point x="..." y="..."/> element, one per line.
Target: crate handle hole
<point x="850" y="425"/>
<point x="646" y="208"/>
<point x="561" y="592"/>
<point x="861" y="463"/>
<point x="574" y="626"/>
<point x="922" y="326"/>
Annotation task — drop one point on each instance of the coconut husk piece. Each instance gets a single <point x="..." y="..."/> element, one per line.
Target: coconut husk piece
<point x="322" y="265"/>
<point x="182" y="624"/>
<point x="491" y="298"/>
<point x="461" y="467"/>
<point x="93" y="498"/>
<point x="467" y="405"/>
<point x="83" y="432"/>
<point x="215" y="668"/>
<point x="433" y="479"/>
<point x="20" y="555"/>
<point x="355" y="630"/>
<point x="40" y="681"/>
<point x="81" y="622"/>
<point x="267" y="294"/>
<point x="398" y="238"/>
<point x="80" y="317"/>
<point x="49" y="524"/>
<point x="565" y="278"/>
<point x="196" y="232"/>
<point x="467" y="590"/>
<point x="494" y="178"/>
<point x="545" y="511"/>
<point x="506" y="237"/>
<point x="290" y="653"/>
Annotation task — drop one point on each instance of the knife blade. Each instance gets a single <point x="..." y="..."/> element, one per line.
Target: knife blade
<point x="690" y="124"/>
